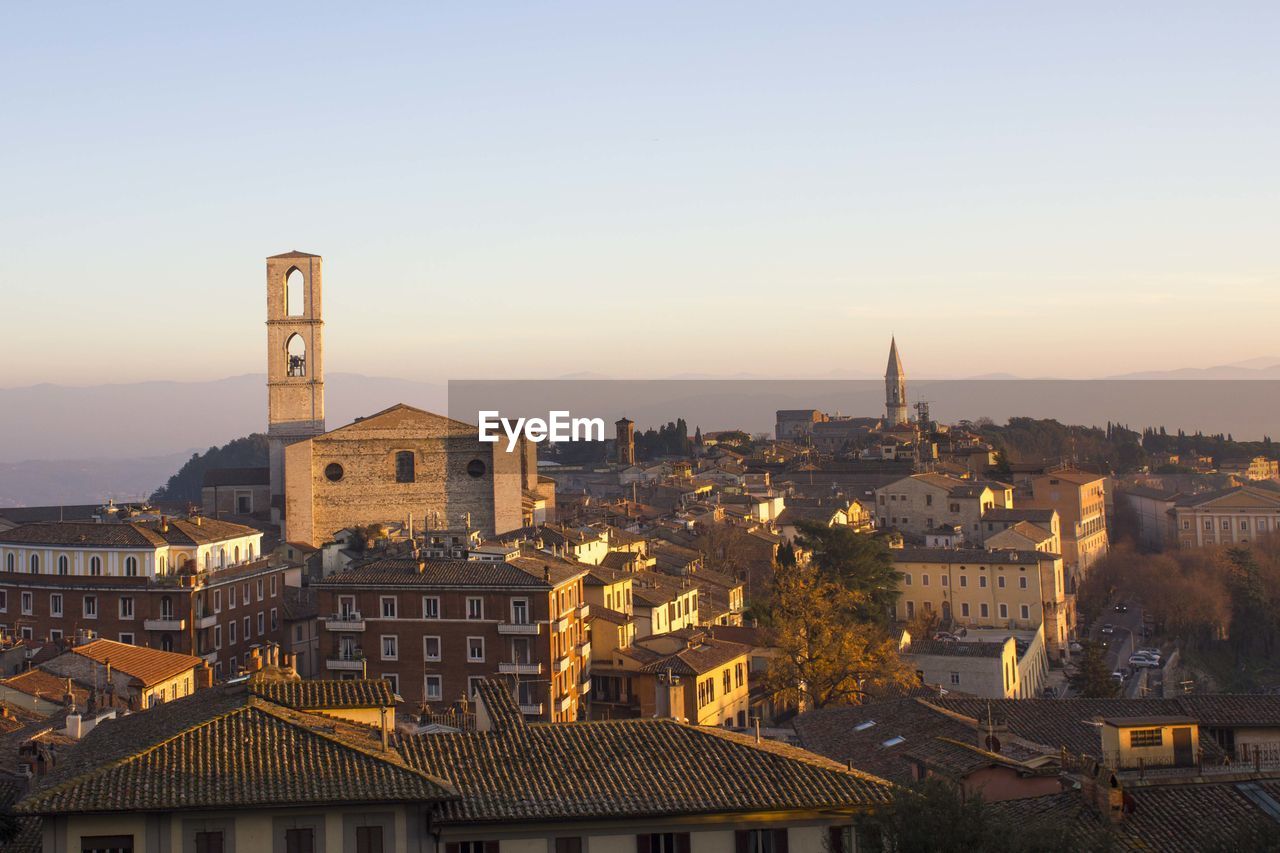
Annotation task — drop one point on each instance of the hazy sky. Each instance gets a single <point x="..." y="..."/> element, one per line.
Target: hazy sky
<point x="540" y="188"/>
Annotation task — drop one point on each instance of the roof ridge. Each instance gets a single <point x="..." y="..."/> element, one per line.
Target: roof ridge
<point x="777" y="748"/>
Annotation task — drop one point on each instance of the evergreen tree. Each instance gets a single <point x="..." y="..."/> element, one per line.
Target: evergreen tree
<point x="1091" y="676"/>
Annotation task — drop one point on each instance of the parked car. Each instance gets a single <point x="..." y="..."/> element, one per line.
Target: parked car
<point x="1108" y="628"/>
<point x="1143" y="661"/>
<point x="1118" y="676"/>
<point x="1155" y="653"/>
<point x="1075" y="647"/>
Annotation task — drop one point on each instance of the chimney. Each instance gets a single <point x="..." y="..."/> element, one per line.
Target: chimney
<point x="164" y="524"/>
<point x="255" y="661"/>
<point x="546" y="574"/>
<point x="422" y="565"/>
<point x="204" y="676"/>
<point x="75" y="726"/>
<point x="382" y="712"/>
<point x="198" y="520"/>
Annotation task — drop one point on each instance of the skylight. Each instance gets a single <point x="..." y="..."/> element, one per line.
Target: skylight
<point x="894" y="741"/>
<point x="862" y="727"/>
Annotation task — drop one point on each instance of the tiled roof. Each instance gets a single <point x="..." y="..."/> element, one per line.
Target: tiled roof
<point x="607" y="615"/>
<point x="316" y="695"/>
<point x="227" y="750"/>
<point x="703" y="655"/>
<point x="1021" y="513"/>
<point x="956" y="649"/>
<point x="524" y="572"/>
<point x="80" y="534"/>
<point x="299" y="603"/>
<point x="628" y="770"/>
<point x="150" y="666"/>
<point x="203" y="531"/>
<point x="975" y="556"/>
<point x="46" y="685"/>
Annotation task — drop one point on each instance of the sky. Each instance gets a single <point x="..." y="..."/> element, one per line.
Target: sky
<point x="537" y="189"/>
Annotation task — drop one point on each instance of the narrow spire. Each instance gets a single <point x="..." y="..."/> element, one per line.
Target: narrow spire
<point x="895" y="363"/>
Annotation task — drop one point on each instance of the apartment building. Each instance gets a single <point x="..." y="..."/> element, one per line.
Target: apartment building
<point x="436" y="628"/>
<point x="923" y="502"/>
<point x="971" y="587"/>
<point x="1080" y="499"/>
<point x="197" y="586"/>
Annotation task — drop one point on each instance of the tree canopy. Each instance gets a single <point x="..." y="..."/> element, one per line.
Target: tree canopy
<point x="185" y="486"/>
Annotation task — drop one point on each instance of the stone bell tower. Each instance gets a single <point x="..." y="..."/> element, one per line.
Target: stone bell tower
<point x="895" y="388"/>
<point x="295" y="359"/>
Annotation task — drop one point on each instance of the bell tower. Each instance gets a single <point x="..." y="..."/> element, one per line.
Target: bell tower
<point x="295" y="359"/>
<point x="895" y="388"/>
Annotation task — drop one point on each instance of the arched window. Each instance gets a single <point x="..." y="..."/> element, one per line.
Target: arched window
<point x="237" y="554"/>
<point x="64" y="565"/>
<point x="164" y="564"/>
<point x="131" y="567"/>
<point x="222" y="558"/>
<point x="9" y="563"/>
<point x="295" y="292"/>
<point x="95" y="565"/>
<point x="404" y="466"/>
<point x="295" y="356"/>
<point x="208" y="560"/>
<point x="250" y="550"/>
<point x="35" y="564"/>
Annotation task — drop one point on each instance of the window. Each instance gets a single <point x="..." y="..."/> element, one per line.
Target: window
<point x="262" y="623"/>
<point x="1004" y="611"/>
<point x="126" y="638"/>
<point x="333" y="472"/>
<point x="663" y="842"/>
<point x="404" y="466"/>
<point x="955" y="678"/>
<point x="964" y="580"/>
<point x="131" y="567"/>
<point x="924" y="579"/>
<point x="388" y="606"/>
<point x="126" y="607"/>
<point x="476" y="468"/>
<point x="1022" y="583"/>
<point x="1026" y="612"/>
<point x="64" y="565"/>
<point x="434" y="689"/>
<point x="27" y="603"/>
<point x="300" y="840"/>
<point x="475" y="649"/>
<point x="739" y="674"/>
<point x="1146" y="737"/>
<point x="55" y="604"/>
<point x="368" y="839"/>
<point x="208" y="842"/>
<point x="35" y="564"/>
<point x="475" y="608"/>
<point x="4" y="601"/>
<point x="231" y="633"/>
<point x="430" y="607"/>
<point x="983" y="610"/>
<point x="906" y="578"/>
<point x="274" y="579"/>
<point x="275" y="619"/>
<point x="217" y="601"/>
<point x="431" y="648"/>
<point x="471" y="847"/>
<point x="520" y="611"/>
<point x="982" y="581"/>
<point x="392" y="679"/>
<point x="217" y="636"/>
<point x="260" y="596"/>
<point x="964" y="609"/>
<point x="728" y="682"/>
<point x="569" y="845"/>
<point x="945" y="580"/>
<point x="231" y="597"/>
<point x="248" y="633"/>
<point x="9" y="562"/>
<point x="473" y="684"/>
<point x="91" y="607"/>
<point x="390" y="647"/>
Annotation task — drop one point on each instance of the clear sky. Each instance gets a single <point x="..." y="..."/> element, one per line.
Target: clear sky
<point x="642" y="189"/>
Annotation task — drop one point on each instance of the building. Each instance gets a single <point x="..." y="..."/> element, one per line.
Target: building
<point x="920" y="503"/>
<point x="139" y="677"/>
<point x="301" y="640"/>
<point x="1225" y="517"/>
<point x="407" y="466"/>
<point x="1000" y="518"/>
<point x="1151" y="513"/>
<point x="895" y="389"/>
<point x="973" y="588"/>
<point x="995" y="664"/>
<point x="436" y="628"/>
<point x="236" y="492"/>
<point x="295" y="359"/>
<point x="198" y="586"/>
<point x="625" y="442"/>
<point x="242" y="771"/>
<point x="1080" y="499"/>
<point x="1257" y="468"/>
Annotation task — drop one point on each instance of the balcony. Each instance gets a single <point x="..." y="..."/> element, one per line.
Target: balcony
<point x="520" y="668"/>
<point x="347" y="623"/>
<point x="562" y="625"/>
<point x="584" y="650"/>
<point x="584" y="610"/>
<point x="207" y="621"/>
<point x="562" y="664"/>
<point x="346" y="663"/>
<point x="585" y="686"/>
<point x="530" y="628"/>
<point x="565" y="703"/>
<point x="164" y="624"/>
<point x="534" y="710"/>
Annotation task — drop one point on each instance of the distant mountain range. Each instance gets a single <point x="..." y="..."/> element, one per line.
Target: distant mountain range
<point x="64" y="444"/>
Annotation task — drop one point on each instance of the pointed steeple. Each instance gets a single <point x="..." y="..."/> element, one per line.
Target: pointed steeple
<point x="894" y="370"/>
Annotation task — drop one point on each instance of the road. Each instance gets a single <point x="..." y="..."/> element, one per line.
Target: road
<point x="1126" y="639"/>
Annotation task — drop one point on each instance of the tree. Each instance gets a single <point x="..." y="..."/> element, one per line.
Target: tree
<point x="860" y="562"/>
<point x="186" y="485"/>
<point x="1091" y="676"/>
<point x="826" y="653"/>
<point x="935" y="816"/>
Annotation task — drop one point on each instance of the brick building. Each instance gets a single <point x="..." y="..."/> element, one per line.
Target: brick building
<point x="197" y="586"/>
<point x="436" y="628"/>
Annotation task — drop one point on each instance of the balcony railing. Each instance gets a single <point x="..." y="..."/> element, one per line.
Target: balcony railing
<point x="207" y="621"/>
<point x="584" y="610"/>
<point x="168" y="624"/>
<point x="562" y="625"/>
<point x="566" y="701"/>
<point x="520" y="668"/>
<point x="562" y="664"/>
<point x="531" y="628"/>
<point x="344" y="622"/>
<point x="533" y="709"/>
<point x="346" y="661"/>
